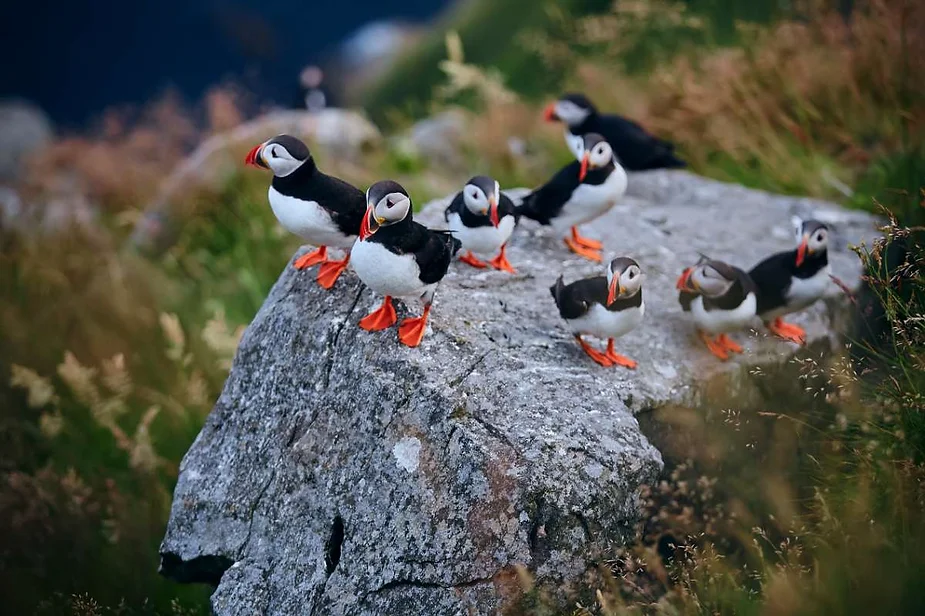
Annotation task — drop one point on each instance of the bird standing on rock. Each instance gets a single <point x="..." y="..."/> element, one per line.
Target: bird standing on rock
<point x="605" y="307"/>
<point x="397" y="257"/>
<point x="635" y="149"/>
<point x="321" y="209"/>
<point x="482" y="219"/>
<point x="580" y="192"/>
<point x="721" y="299"/>
<point x="793" y="280"/>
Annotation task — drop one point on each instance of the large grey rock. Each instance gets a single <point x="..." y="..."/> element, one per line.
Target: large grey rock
<point x="342" y="473"/>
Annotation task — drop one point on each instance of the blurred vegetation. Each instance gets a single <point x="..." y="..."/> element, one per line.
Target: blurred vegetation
<point x="810" y="503"/>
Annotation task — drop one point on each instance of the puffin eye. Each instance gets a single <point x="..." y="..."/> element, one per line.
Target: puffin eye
<point x="273" y="152"/>
<point x="820" y="236"/>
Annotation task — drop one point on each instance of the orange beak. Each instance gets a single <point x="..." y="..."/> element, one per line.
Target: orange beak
<point x="584" y="167"/>
<point x="612" y="292"/>
<point x="683" y="283"/>
<point x="802" y="250"/>
<point x="493" y="212"/>
<point x="254" y="158"/>
<point x="369" y="224"/>
<point x="549" y="114"/>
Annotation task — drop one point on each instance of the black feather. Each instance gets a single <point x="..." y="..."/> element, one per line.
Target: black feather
<point x="345" y="203"/>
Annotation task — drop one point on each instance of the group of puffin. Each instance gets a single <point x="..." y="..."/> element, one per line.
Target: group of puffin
<point x="397" y="257"/>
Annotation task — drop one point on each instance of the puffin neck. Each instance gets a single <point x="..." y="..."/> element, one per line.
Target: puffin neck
<point x="388" y="233"/>
<point x="298" y="177"/>
<point x="811" y="264"/>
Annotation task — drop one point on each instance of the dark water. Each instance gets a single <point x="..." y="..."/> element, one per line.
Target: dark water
<point x="76" y="57"/>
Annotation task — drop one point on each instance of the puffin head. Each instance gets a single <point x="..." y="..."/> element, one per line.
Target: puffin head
<point x="710" y="278"/>
<point x="481" y="195"/>
<point x="812" y="238"/>
<point x="595" y="153"/>
<point x="282" y="155"/>
<point x="624" y="279"/>
<point x="573" y="109"/>
<point x="387" y="203"/>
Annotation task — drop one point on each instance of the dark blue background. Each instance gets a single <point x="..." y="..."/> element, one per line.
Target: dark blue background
<point x="75" y="58"/>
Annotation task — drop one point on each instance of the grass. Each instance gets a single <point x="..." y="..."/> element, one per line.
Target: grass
<point x="810" y="503"/>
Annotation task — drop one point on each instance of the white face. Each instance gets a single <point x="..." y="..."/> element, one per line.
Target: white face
<point x="630" y="280"/>
<point x="600" y="156"/>
<point x="392" y="208"/>
<point x="709" y="281"/>
<point x="570" y="113"/>
<point x="476" y="199"/>
<point x="279" y="160"/>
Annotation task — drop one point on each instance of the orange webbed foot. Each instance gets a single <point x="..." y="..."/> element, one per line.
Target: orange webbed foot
<point x="330" y="271"/>
<point x="714" y="346"/>
<point x="312" y="258"/>
<point x="411" y="331"/>
<point x="381" y="318"/>
<point x="585" y="242"/>
<point x="501" y="263"/>
<point x="587" y="253"/>
<point x="728" y="344"/>
<point x="787" y="331"/>
<point x="617" y="359"/>
<point x="471" y="259"/>
<point x="597" y="356"/>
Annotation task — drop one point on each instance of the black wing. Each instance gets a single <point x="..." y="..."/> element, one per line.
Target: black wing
<point x="772" y="278"/>
<point x="574" y="300"/>
<point x="636" y="149"/>
<point x="435" y="255"/>
<point x="547" y="201"/>
<point x="455" y="206"/>
<point x="345" y="202"/>
<point x="506" y="207"/>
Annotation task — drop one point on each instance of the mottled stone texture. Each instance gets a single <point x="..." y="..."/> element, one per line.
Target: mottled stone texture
<point x="342" y="473"/>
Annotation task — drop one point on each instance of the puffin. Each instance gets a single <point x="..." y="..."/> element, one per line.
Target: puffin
<point x="580" y="192"/>
<point x="636" y="149"/>
<point x="603" y="306"/>
<point x="793" y="280"/>
<point x="321" y="209"/>
<point x="398" y="257"/>
<point x="721" y="299"/>
<point x="482" y="219"/>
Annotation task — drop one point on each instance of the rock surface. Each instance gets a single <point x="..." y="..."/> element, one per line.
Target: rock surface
<point x="342" y="473"/>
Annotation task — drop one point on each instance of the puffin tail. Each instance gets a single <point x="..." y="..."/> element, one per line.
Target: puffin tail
<point x="526" y="209"/>
<point x="452" y="242"/>
<point x="556" y="289"/>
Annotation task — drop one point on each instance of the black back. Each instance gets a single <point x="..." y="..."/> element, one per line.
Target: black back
<point x="547" y="201"/>
<point x="469" y="219"/>
<point x="636" y="149"/>
<point x="774" y="275"/>
<point x="345" y="203"/>
<point x="433" y="250"/>
<point x="575" y="299"/>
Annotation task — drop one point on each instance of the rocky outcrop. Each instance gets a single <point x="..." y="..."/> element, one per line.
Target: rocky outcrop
<point x="24" y="130"/>
<point x="342" y="473"/>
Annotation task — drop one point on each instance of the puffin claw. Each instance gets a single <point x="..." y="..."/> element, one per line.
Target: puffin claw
<point x="501" y="263"/>
<point x="330" y="271"/>
<point x="470" y="259"/>
<point x="597" y="356"/>
<point x="787" y="331"/>
<point x="381" y="318"/>
<point x="728" y="344"/>
<point x="585" y="242"/>
<point x="587" y="253"/>
<point x="617" y="359"/>
<point x="411" y="331"/>
<point x="714" y="346"/>
<point x="320" y="255"/>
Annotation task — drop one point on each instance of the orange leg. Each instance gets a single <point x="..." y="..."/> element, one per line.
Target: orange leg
<point x="469" y="259"/>
<point x="411" y="331"/>
<point x="330" y="271"/>
<point x="787" y="331"/>
<point x="594" y="354"/>
<point x="617" y="359"/>
<point x="586" y="242"/>
<point x="312" y="258"/>
<point x="728" y="344"/>
<point x="714" y="346"/>
<point x="501" y="263"/>
<point x="381" y="318"/>
<point x="587" y="253"/>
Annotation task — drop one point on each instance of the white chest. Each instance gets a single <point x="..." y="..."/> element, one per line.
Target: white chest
<point x="308" y="220"/>
<point x="481" y="240"/>
<point x="723" y="321"/>
<point x="591" y="201"/>
<point x="385" y="272"/>
<point x="603" y="323"/>
<point x="805" y="291"/>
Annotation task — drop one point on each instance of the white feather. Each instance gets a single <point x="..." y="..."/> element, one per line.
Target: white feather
<point x="603" y="323"/>
<point x="717" y="321"/>
<point x="803" y="293"/>
<point x="308" y="220"/>
<point x="591" y="201"/>
<point x="387" y="273"/>
<point x="485" y="241"/>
